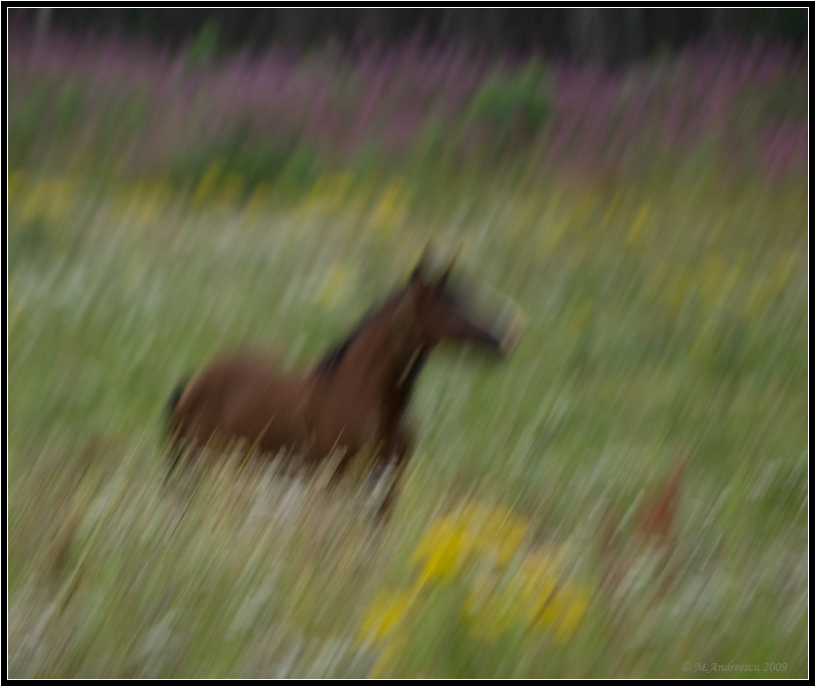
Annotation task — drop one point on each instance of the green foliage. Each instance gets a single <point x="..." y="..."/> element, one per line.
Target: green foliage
<point x="667" y="325"/>
<point x="518" y="102"/>
<point x="242" y="164"/>
<point x="206" y="45"/>
<point x="26" y="120"/>
<point x="779" y="102"/>
<point x="70" y="106"/>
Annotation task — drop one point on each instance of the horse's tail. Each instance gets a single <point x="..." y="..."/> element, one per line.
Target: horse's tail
<point x="176" y="396"/>
<point x="170" y="432"/>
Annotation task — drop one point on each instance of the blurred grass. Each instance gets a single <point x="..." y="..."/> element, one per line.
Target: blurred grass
<point x="667" y="324"/>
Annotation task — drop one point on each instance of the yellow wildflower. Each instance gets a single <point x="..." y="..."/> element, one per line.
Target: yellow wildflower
<point x="442" y="550"/>
<point x="208" y="181"/>
<point x="390" y="210"/>
<point x="535" y="597"/>
<point x="385" y="613"/>
<point x="477" y="529"/>
<point x="34" y="201"/>
<point x="574" y="603"/>
<point x="257" y="203"/>
<point x="493" y="530"/>
<point x="17" y="181"/>
<point x="550" y="601"/>
<point x="536" y="578"/>
<point x="329" y="194"/>
<point x="562" y="610"/>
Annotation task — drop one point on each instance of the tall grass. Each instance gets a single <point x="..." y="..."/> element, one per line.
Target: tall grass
<point x="538" y="533"/>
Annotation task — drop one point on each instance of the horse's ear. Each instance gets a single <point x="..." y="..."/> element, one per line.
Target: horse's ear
<point x="404" y="312"/>
<point x="446" y="273"/>
<point x="421" y="270"/>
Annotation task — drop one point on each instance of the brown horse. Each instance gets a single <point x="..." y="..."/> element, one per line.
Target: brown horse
<point x="356" y="395"/>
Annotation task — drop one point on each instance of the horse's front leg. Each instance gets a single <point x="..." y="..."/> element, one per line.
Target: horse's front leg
<point x="398" y="451"/>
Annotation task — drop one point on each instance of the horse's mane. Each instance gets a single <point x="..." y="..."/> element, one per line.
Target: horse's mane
<point x="331" y="360"/>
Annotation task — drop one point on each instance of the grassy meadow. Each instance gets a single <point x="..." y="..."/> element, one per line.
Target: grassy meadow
<point x="625" y="497"/>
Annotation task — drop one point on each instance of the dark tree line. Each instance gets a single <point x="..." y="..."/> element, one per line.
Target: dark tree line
<point x="608" y="35"/>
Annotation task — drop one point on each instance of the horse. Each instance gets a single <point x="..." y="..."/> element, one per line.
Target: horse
<point x="355" y="396"/>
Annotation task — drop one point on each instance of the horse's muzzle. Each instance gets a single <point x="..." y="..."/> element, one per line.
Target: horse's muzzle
<point x="511" y="337"/>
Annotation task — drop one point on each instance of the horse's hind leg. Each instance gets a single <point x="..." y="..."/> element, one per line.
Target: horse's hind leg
<point x="173" y="432"/>
<point x="172" y="459"/>
<point x="399" y="459"/>
<point x="180" y="454"/>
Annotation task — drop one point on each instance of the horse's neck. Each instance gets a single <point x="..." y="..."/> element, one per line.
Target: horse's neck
<point x="411" y="367"/>
<point x="381" y="365"/>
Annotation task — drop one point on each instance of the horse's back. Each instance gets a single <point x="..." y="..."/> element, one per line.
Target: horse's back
<point x="242" y="398"/>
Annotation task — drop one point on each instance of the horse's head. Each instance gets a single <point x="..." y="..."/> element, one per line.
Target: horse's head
<point x="431" y="311"/>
